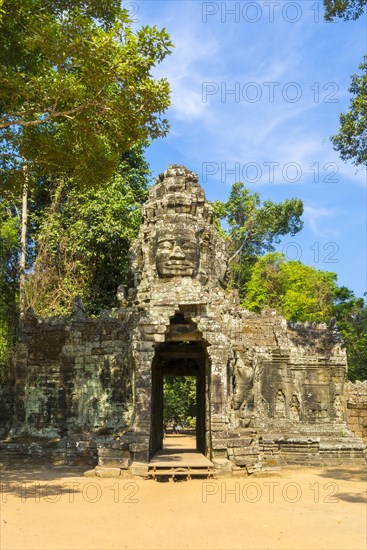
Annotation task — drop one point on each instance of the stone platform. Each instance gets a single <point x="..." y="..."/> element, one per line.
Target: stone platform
<point x="179" y="458"/>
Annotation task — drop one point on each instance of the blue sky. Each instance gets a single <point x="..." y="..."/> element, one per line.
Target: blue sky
<point x="257" y="89"/>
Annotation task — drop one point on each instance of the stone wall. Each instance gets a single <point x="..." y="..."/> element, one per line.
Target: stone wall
<point x="288" y="376"/>
<point x="72" y="376"/>
<point x="270" y="391"/>
<point x="357" y="408"/>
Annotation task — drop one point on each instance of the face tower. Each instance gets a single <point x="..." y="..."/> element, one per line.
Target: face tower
<point x="179" y="268"/>
<point x="178" y="246"/>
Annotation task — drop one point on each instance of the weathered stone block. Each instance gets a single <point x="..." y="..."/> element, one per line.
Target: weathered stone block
<point x="139" y="447"/>
<point x="139" y="469"/>
<point x="122" y="463"/>
<point x="223" y="466"/>
<point x="90" y="473"/>
<point x="102" y="471"/>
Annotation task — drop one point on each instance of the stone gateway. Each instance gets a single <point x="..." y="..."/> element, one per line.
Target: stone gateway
<point x="269" y="392"/>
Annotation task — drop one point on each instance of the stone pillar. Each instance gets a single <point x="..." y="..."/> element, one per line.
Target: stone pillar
<point x="143" y="356"/>
<point x="218" y="389"/>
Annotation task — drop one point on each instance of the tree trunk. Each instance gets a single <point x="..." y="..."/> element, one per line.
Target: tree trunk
<point x="23" y="243"/>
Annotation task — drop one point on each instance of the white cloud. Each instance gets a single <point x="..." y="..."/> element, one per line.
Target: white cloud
<point x="315" y="217"/>
<point x="283" y="132"/>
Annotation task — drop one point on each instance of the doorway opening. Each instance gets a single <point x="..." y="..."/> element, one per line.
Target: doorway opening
<point x="179" y="412"/>
<point x="178" y="396"/>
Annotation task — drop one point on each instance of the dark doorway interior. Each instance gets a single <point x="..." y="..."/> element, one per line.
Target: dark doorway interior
<point x="178" y="359"/>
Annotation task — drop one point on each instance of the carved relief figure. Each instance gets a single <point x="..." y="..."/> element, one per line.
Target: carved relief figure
<point x="241" y="382"/>
<point x="338" y="408"/>
<point x="294" y="409"/>
<point x="279" y="404"/>
<point x="177" y="251"/>
<point x="242" y="391"/>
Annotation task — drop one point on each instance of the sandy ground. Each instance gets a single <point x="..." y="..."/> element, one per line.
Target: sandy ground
<point x="290" y="509"/>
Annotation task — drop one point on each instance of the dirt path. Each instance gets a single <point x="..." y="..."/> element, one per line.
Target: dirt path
<point x="295" y="509"/>
<point x="179" y="441"/>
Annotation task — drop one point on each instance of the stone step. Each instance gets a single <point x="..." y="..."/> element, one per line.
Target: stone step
<point x="180" y="471"/>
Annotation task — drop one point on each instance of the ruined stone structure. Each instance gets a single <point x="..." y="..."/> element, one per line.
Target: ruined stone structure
<point x="357" y="408"/>
<point x="268" y="392"/>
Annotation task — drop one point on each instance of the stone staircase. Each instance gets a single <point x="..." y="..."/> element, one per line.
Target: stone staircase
<point x="180" y="471"/>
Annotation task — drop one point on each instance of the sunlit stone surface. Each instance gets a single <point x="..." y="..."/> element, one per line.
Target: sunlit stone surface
<point x="268" y="392"/>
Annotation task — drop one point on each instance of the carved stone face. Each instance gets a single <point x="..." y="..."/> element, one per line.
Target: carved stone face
<point x="177" y="251"/>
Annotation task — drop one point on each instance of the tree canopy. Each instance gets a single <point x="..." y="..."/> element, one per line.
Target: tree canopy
<point x="9" y="252"/>
<point x="297" y="291"/>
<point x="253" y="227"/>
<point x="179" y="402"/>
<point x="303" y="293"/>
<point x="81" y="235"/>
<point x="76" y="88"/>
<point x="351" y="317"/>
<point x="345" y="9"/>
<point x="351" y="140"/>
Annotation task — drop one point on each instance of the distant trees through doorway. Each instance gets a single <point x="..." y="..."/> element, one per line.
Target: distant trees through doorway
<point x="179" y="400"/>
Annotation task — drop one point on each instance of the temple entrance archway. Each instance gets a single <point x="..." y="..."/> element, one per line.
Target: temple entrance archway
<point x="178" y="359"/>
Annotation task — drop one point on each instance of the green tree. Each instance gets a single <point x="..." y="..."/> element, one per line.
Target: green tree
<point x="345" y="9"/>
<point x="76" y="91"/>
<point x="76" y="88"/>
<point x="179" y="401"/>
<point x="351" y="140"/>
<point x="297" y="291"/>
<point x="9" y="252"/>
<point x="254" y="228"/>
<point x="82" y="239"/>
<point x="303" y="293"/>
<point x="351" y="319"/>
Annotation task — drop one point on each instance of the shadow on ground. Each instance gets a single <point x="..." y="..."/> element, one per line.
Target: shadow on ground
<point x="352" y="475"/>
<point x="33" y="483"/>
<point x="346" y="473"/>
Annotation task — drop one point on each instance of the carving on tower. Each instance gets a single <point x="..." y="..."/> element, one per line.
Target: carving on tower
<point x="178" y="238"/>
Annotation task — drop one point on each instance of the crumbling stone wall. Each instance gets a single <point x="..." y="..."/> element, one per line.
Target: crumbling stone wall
<point x="357" y="408"/>
<point x="273" y="391"/>
<point x="72" y="376"/>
